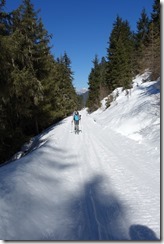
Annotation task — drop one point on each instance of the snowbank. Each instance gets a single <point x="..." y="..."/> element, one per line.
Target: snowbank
<point x="135" y="115"/>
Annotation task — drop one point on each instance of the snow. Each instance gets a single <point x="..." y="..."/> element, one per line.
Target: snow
<point x="136" y="115"/>
<point x="81" y="91"/>
<point x="103" y="184"/>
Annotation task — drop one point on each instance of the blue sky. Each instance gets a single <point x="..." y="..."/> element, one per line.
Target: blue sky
<point x="82" y="27"/>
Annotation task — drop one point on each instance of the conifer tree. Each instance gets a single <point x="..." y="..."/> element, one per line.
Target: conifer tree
<point x="119" y="55"/>
<point x="103" y="81"/>
<point x="66" y="93"/>
<point x="153" y="49"/>
<point x="141" y="41"/>
<point x="93" y="102"/>
<point x="5" y="110"/>
<point x="32" y="69"/>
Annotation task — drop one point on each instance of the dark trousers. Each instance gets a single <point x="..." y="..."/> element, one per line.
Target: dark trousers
<point x="76" y="124"/>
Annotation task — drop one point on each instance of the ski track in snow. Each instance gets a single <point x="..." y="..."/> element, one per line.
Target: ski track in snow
<point x="92" y="186"/>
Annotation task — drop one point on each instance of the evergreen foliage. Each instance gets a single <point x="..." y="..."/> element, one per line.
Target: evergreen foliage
<point x="153" y="50"/>
<point x="141" y="41"/>
<point x="148" y="42"/>
<point x="119" y="55"/>
<point x="67" y="93"/>
<point x="97" y="84"/>
<point x="93" y="101"/>
<point x="128" y="54"/>
<point x="36" y="90"/>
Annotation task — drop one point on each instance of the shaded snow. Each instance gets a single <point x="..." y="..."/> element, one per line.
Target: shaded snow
<point x="103" y="184"/>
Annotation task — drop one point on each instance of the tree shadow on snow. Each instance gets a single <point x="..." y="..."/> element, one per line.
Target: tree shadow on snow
<point x="95" y="215"/>
<point x="38" y="141"/>
<point x="150" y="90"/>
<point x="35" y="143"/>
<point x="91" y="215"/>
<point x="142" y="233"/>
<point x="100" y="214"/>
<point x="92" y="212"/>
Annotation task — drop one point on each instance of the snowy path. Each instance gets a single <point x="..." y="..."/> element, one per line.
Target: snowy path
<point x="98" y="185"/>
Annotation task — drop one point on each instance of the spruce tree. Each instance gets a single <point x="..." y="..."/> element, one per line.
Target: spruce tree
<point x="141" y="42"/>
<point x="93" y="102"/>
<point x="32" y="64"/>
<point x="119" y="55"/>
<point x="66" y="92"/>
<point x="6" y="128"/>
<point x="153" y="49"/>
<point x="103" y="81"/>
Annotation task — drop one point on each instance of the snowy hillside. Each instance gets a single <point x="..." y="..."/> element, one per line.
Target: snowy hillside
<point x="136" y="115"/>
<point x="100" y="184"/>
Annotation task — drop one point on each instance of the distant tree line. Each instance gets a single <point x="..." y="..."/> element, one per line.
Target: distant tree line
<point x="128" y="54"/>
<point x="36" y="89"/>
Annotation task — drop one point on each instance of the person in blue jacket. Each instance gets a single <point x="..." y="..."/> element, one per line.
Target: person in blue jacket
<point x="76" y="119"/>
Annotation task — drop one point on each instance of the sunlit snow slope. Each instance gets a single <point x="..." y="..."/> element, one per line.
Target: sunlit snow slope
<point x="103" y="184"/>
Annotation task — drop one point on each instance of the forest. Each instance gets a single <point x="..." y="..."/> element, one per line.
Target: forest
<point x="128" y="54"/>
<point x="36" y="89"/>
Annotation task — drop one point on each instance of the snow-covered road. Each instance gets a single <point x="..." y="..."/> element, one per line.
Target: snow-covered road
<point x="98" y="185"/>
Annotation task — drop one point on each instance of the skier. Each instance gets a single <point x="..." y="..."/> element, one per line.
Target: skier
<point x="76" y="119"/>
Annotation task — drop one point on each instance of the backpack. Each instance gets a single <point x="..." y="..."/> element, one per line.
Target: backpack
<point x="76" y="117"/>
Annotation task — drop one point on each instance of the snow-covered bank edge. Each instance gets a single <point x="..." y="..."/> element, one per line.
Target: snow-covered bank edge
<point x="34" y="143"/>
<point x="136" y="114"/>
